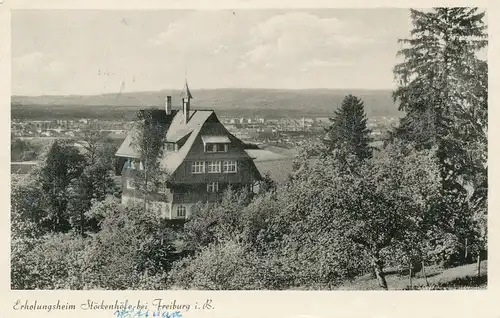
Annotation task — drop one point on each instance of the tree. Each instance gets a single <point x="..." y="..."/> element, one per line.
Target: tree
<point x="348" y="129"/>
<point x="442" y="87"/>
<point x="62" y="164"/>
<point x="22" y="150"/>
<point x="267" y="184"/>
<point x="442" y="83"/>
<point x="149" y="140"/>
<point x="93" y="185"/>
<point x="291" y="230"/>
<point x="98" y="148"/>
<point x="28" y="217"/>
<point x="91" y="142"/>
<point x="361" y="208"/>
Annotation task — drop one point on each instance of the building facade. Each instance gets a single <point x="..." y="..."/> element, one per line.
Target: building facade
<point x="200" y="156"/>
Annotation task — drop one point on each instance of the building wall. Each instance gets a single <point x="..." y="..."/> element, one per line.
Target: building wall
<point x="244" y="174"/>
<point x="160" y="208"/>
<point x="246" y="171"/>
<point x="186" y="188"/>
<point x="188" y="206"/>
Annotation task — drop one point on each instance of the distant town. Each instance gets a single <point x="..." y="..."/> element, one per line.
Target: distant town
<point x="285" y="131"/>
<point x="281" y="136"/>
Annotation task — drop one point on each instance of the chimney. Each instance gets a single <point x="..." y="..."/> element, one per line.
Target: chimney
<point x="185" y="109"/>
<point x="168" y="105"/>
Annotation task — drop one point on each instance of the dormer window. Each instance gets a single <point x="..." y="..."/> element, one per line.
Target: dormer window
<point x="221" y="147"/>
<point x="171" y="146"/>
<point x="216" y="147"/>
<point x="211" y="148"/>
<point x="213" y="144"/>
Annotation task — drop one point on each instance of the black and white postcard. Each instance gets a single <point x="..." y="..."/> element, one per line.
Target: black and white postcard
<point x="205" y="161"/>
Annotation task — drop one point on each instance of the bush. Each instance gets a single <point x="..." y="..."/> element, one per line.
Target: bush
<point x="50" y="262"/>
<point x="226" y="266"/>
<point x="132" y="250"/>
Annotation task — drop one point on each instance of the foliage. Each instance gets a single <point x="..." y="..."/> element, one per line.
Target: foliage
<point x="54" y="196"/>
<point x="98" y="148"/>
<point x="216" y="222"/>
<point x="149" y="140"/>
<point x="443" y="89"/>
<point x="41" y="199"/>
<point x="228" y="265"/>
<point x="267" y="184"/>
<point x="93" y="185"/>
<point x="49" y="262"/>
<point x="28" y="217"/>
<point x="442" y="83"/>
<point x="23" y="150"/>
<point x="367" y="204"/>
<point x="130" y="245"/>
<point x="61" y="165"/>
<point x="348" y="130"/>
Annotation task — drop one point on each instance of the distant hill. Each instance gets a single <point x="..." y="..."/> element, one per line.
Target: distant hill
<point x="307" y="101"/>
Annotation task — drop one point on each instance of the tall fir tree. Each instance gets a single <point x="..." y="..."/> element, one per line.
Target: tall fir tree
<point x="348" y="131"/>
<point x="442" y="86"/>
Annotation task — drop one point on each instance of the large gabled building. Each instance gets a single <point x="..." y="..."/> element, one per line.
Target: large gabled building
<point x="200" y="156"/>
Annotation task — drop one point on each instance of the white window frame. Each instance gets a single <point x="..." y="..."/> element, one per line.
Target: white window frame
<point x="233" y="164"/>
<point x="172" y="146"/>
<point x="130" y="184"/>
<point x="213" y="187"/>
<point x="212" y="148"/>
<point x="213" y="164"/>
<point x="197" y="167"/>
<point x="224" y="147"/>
<point x="180" y="211"/>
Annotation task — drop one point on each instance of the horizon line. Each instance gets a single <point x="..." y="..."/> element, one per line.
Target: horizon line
<point x="204" y="89"/>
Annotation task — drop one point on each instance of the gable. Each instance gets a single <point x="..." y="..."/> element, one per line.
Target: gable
<point x="201" y="124"/>
<point x="214" y="130"/>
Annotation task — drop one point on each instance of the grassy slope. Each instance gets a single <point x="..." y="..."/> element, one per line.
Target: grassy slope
<point x="461" y="277"/>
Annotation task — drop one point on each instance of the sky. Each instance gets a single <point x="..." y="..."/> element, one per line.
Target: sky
<point x="63" y="52"/>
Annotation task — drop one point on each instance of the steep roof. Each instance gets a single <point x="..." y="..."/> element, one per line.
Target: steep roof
<point x="278" y="170"/>
<point x="172" y="159"/>
<point x="176" y="131"/>
<point x="278" y="167"/>
<point x="215" y="139"/>
<point x="126" y="148"/>
<point x="264" y="155"/>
